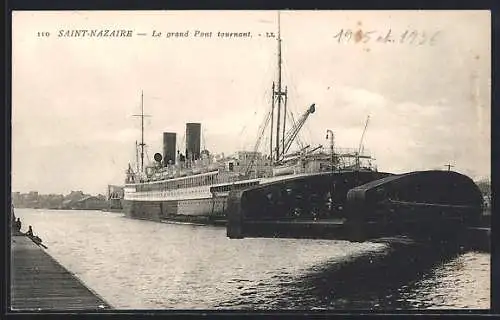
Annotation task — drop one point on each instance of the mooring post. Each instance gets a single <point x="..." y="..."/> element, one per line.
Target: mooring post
<point x="355" y="221"/>
<point x="235" y="216"/>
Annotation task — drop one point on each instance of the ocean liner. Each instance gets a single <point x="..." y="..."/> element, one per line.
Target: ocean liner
<point x="194" y="186"/>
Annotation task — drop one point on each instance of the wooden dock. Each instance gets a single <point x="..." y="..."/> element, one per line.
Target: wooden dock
<point x="38" y="282"/>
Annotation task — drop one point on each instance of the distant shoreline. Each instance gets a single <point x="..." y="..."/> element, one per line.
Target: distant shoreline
<point x="75" y="209"/>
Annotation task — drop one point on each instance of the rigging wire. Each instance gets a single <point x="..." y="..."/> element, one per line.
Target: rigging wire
<point x="262" y="129"/>
<point x="147" y="155"/>
<point x="263" y="101"/>
<point x="299" y="139"/>
<point x="306" y="133"/>
<point x="259" y="100"/>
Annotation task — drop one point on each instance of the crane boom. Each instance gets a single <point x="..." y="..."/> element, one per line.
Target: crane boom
<point x="292" y="133"/>
<point x="358" y="153"/>
<point x="293" y="123"/>
<point x="363" y="135"/>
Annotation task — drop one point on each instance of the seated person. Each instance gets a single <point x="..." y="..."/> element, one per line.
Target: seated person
<point x="29" y="233"/>
<point x="17" y="225"/>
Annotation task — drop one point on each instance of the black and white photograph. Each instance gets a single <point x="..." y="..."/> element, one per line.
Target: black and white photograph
<point x="250" y="160"/>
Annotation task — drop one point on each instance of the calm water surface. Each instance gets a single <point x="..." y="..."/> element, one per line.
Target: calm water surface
<point x="137" y="264"/>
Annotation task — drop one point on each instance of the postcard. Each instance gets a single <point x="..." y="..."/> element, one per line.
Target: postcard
<point x="251" y="160"/>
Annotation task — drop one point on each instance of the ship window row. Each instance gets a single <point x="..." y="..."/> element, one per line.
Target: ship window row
<point x="229" y="187"/>
<point x="179" y="184"/>
<point x="156" y="194"/>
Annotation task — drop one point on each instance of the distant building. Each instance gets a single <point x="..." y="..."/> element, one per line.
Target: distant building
<point x="30" y="199"/>
<point x="51" y="201"/>
<point x="115" y="197"/>
<point x="90" y="203"/>
<point x="74" y="200"/>
<point x="75" y="195"/>
<point x="67" y="204"/>
<point x="33" y="195"/>
<point x="16" y="199"/>
<point x="247" y="162"/>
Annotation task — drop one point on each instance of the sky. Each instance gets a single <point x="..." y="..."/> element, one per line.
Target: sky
<point x="73" y="99"/>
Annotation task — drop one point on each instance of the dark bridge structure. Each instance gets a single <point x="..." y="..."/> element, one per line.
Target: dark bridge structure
<point x="357" y="206"/>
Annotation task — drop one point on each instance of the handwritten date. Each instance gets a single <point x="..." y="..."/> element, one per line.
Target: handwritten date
<point x="411" y="37"/>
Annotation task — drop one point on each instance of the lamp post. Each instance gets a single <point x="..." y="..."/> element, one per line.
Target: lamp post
<point x="329" y="133"/>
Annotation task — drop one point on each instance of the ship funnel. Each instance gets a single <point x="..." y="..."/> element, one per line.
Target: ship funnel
<point x="193" y="139"/>
<point x="169" y="145"/>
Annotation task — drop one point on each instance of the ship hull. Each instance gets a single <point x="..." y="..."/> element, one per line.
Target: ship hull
<point x="212" y="210"/>
<point x="209" y="211"/>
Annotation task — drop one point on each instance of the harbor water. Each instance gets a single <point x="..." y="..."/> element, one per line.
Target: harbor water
<point x="135" y="264"/>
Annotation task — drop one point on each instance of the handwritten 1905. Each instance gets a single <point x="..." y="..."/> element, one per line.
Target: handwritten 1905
<point x="411" y="37"/>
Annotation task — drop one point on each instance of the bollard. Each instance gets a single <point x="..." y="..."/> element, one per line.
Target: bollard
<point x="235" y="215"/>
<point x="355" y="212"/>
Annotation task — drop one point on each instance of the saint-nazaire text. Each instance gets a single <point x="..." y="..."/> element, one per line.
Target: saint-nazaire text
<point x="95" y="33"/>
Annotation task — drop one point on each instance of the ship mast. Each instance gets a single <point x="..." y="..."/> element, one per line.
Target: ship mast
<point x="272" y="124"/>
<point x="142" y="144"/>
<point x="278" y="94"/>
<point x="136" y="156"/>
<point x="142" y="131"/>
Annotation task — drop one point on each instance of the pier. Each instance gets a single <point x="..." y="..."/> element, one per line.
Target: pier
<point x="39" y="282"/>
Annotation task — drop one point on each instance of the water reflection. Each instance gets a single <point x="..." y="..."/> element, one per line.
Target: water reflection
<point x="374" y="281"/>
<point x="465" y="274"/>
<point x="378" y="280"/>
<point x="147" y="265"/>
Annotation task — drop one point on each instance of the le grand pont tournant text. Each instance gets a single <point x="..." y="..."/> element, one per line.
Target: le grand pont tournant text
<point x="122" y="33"/>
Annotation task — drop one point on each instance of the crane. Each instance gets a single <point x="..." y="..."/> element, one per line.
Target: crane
<point x="292" y="133"/>
<point x="361" y="142"/>
<point x="299" y="142"/>
<point x="301" y="153"/>
<point x="257" y="143"/>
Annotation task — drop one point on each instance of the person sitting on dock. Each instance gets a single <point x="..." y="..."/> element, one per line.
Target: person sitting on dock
<point x="17" y="225"/>
<point x="36" y="239"/>
<point x="29" y="233"/>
